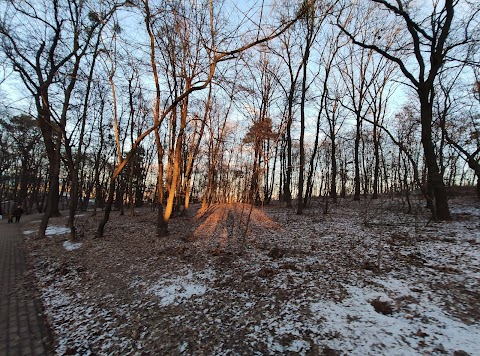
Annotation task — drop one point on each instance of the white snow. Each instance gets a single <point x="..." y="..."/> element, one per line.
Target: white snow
<point x="316" y="297"/>
<point x="56" y="230"/>
<point x="70" y="246"/>
<point x="82" y="328"/>
<point x="178" y="289"/>
<point x="51" y="231"/>
<point x="354" y="326"/>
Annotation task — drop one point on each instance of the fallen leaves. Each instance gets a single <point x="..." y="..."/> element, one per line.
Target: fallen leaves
<point x="321" y="284"/>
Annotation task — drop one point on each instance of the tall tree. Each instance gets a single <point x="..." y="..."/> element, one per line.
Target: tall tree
<point x="313" y="14"/>
<point x="25" y="134"/>
<point x="432" y="40"/>
<point x="212" y="57"/>
<point x="45" y="42"/>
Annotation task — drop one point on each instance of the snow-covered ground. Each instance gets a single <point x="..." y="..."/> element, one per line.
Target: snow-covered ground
<point x="51" y="231"/>
<point x="365" y="279"/>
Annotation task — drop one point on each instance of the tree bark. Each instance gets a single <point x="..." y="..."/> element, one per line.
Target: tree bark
<point x="357" y="159"/>
<point x="441" y="210"/>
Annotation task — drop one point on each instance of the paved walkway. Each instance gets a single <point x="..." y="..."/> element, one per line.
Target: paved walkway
<point x="23" y="330"/>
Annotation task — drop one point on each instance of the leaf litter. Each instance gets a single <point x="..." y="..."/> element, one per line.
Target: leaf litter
<point x="364" y="279"/>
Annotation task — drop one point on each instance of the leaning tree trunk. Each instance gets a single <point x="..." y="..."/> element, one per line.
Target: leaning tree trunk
<point x="52" y="197"/>
<point x="108" y="209"/>
<point x="53" y="153"/>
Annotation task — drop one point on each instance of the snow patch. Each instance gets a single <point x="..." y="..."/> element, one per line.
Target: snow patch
<point x="51" y="231"/>
<point x="321" y="297"/>
<point x="73" y="324"/>
<point x="178" y="289"/>
<point x="70" y="246"/>
<point x="56" y="230"/>
<point x="355" y="327"/>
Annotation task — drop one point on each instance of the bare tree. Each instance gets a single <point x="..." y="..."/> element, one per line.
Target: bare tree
<point x="313" y="15"/>
<point x="432" y="42"/>
<point x="465" y="137"/>
<point x="290" y="53"/>
<point x="45" y="43"/>
<point x="26" y="136"/>
<point x="203" y="78"/>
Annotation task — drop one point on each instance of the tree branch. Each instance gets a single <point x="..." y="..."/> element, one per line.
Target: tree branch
<point x="382" y="52"/>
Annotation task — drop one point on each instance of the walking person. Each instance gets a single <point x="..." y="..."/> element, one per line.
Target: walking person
<point x="17" y="213"/>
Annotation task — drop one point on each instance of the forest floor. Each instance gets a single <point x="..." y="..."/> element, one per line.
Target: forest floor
<point x="364" y="279"/>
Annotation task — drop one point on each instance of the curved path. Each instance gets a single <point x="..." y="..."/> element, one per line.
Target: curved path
<point x="23" y="329"/>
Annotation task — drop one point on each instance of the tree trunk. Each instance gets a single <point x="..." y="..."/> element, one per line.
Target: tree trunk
<point x="333" y="178"/>
<point x="435" y="181"/>
<point x="312" y="165"/>
<point x="73" y="205"/>
<point x="357" y="160"/>
<point x="52" y="195"/>
<point x="288" y="177"/>
<point x="254" y="185"/>
<point x="376" y="171"/>
<point x="108" y="209"/>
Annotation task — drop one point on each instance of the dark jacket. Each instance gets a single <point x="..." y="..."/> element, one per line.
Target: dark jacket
<point x="17" y="212"/>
